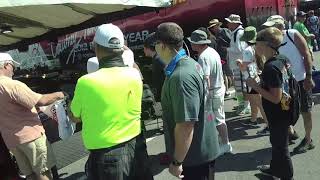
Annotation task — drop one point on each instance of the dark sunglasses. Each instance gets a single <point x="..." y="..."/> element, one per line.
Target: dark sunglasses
<point x="12" y="65"/>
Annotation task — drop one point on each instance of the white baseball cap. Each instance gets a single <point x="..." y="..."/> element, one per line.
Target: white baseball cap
<point x="92" y="65"/>
<point x="109" y="36"/>
<point x="5" y="57"/>
<point x="273" y="20"/>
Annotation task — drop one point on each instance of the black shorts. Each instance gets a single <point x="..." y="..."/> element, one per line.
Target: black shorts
<point x="253" y="92"/>
<point x="226" y="70"/>
<point x="305" y="98"/>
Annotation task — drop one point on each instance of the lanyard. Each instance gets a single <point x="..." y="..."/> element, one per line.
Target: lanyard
<point x="173" y="63"/>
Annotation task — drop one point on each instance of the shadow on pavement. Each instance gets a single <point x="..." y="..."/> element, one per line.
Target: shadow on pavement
<point x="263" y="177"/>
<point x="237" y="131"/>
<point x="156" y="167"/>
<point x="235" y="162"/>
<point x="76" y="176"/>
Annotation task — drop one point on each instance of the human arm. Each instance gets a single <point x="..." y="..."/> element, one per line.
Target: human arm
<point x="302" y="46"/>
<point x="186" y="109"/>
<point x="47" y="99"/>
<point x="273" y="94"/>
<point x="75" y="106"/>
<point x="183" y="134"/>
<point x="24" y="96"/>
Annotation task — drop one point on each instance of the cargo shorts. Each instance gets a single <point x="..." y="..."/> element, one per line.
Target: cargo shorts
<point x="35" y="156"/>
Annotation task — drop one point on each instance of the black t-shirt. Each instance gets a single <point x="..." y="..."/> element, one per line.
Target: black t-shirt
<point x="223" y="38"/>
<point x="158" y="76"/>
<point x="274" y="75"/>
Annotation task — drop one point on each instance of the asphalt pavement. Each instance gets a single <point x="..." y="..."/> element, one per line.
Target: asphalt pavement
<point x="249" y="150"/>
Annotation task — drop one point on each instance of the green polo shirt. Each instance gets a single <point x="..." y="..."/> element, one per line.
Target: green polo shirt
<point x="109" y="104"/>
<point x="304" y="31"/>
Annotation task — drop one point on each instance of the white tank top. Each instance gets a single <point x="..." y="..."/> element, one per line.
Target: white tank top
<point x="292" y="53"/>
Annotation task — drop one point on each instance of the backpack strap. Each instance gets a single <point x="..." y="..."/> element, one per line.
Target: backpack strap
<point x="235" y="34"/>
<point x="287" y="32"/>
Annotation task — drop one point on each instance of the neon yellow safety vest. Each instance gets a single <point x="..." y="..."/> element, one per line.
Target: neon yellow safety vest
<point x="109" y="104"/>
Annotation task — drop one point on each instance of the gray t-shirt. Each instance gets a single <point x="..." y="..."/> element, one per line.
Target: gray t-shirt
<point x="182" y="100"/>
<point x="210" y="62"/>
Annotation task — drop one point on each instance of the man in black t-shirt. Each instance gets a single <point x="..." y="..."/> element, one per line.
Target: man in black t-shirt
<point x="157" y="66"/>
<point x="222" y="40"/>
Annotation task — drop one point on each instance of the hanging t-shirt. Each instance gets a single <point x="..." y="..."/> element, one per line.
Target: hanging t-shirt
<point x="252" y="68"/>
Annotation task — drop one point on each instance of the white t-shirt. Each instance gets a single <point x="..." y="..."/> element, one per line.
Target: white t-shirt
<point x="210" y="61"/>
<point x="252" y="68"/>
<point x="127" y="56"/>
<point x="292" y="53"/>
<point x="236" y="47"/>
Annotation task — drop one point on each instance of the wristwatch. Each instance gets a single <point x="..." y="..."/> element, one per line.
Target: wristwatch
<point x="176" y="162"/>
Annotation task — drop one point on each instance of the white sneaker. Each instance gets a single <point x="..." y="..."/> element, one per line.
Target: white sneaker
<point x="225" y="148"/>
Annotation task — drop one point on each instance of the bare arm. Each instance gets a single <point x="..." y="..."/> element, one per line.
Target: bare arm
<point x="71" y="116"/>
<point x="307" y="59"/>
<point x="48" y="99"/>
<point x="183" y="134"/>
<point x="304" y="51"/>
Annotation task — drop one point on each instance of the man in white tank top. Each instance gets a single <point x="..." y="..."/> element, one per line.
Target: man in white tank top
<point x="296" y="50"/>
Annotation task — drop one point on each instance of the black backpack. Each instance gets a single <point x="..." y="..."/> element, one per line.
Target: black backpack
<point x="294" y="91"/>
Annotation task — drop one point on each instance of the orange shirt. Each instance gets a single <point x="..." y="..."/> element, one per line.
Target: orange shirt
<point x="19" y="120"/>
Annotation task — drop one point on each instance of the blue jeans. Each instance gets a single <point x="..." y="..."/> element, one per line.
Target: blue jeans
<point x="126" y="161"/>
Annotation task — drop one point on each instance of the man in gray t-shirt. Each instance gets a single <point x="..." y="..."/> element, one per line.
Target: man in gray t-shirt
<point x="193" y="136"/>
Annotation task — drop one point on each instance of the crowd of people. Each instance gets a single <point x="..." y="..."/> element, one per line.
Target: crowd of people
<point x="260" y="65"/>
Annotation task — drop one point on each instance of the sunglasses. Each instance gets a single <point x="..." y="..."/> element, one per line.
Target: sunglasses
<point x="12" y="65"/>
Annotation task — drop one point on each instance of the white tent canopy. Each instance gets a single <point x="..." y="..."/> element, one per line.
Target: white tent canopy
<point x="24" y="19"/>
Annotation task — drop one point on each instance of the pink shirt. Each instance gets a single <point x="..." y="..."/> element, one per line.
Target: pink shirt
<point x="19" y="120"/>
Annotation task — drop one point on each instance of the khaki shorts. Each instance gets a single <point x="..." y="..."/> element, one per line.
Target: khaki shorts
<point x="35" y="156"/>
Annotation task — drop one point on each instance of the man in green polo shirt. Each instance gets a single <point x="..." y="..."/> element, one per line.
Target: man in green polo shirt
<point x="299" y="26"/>
<point x="192" y="134"/>
<point x="108" y="103"/>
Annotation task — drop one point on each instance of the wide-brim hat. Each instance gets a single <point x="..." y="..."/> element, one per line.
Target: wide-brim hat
<point x="214" y="22"/>
<point x="234" y="18"/>
<point x="199" y="37"/>
<point x="249" y="35"/>
<point x="273" y="20"/>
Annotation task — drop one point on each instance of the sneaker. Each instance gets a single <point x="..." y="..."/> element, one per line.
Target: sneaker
<point x="304" y="146"/>
<point x="248" y="122"/>
<point x="265" y="170"/>
<point x="294" y="136"/>
<point x="225" y="148"/>
<point x="245" y="111"/>
<point x="227" y="94"/>
<point x="264" y="131"/>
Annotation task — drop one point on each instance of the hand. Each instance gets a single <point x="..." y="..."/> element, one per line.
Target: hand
<point x="252" y="83"/>
<point x="176" y="171"/>
<point x="312" y="36"/>
<point x="308" y="84"/>
<point x="60" y="95"/>
<point x="239" y="62"/>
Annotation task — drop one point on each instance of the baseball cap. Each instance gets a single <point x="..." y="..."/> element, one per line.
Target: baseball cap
<point x="273" y="20"/>
<point x="301" y="13"/>
<point x="5" y="57"/>
<point x="92" y="65"/>
<point x="109" y="36"/>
